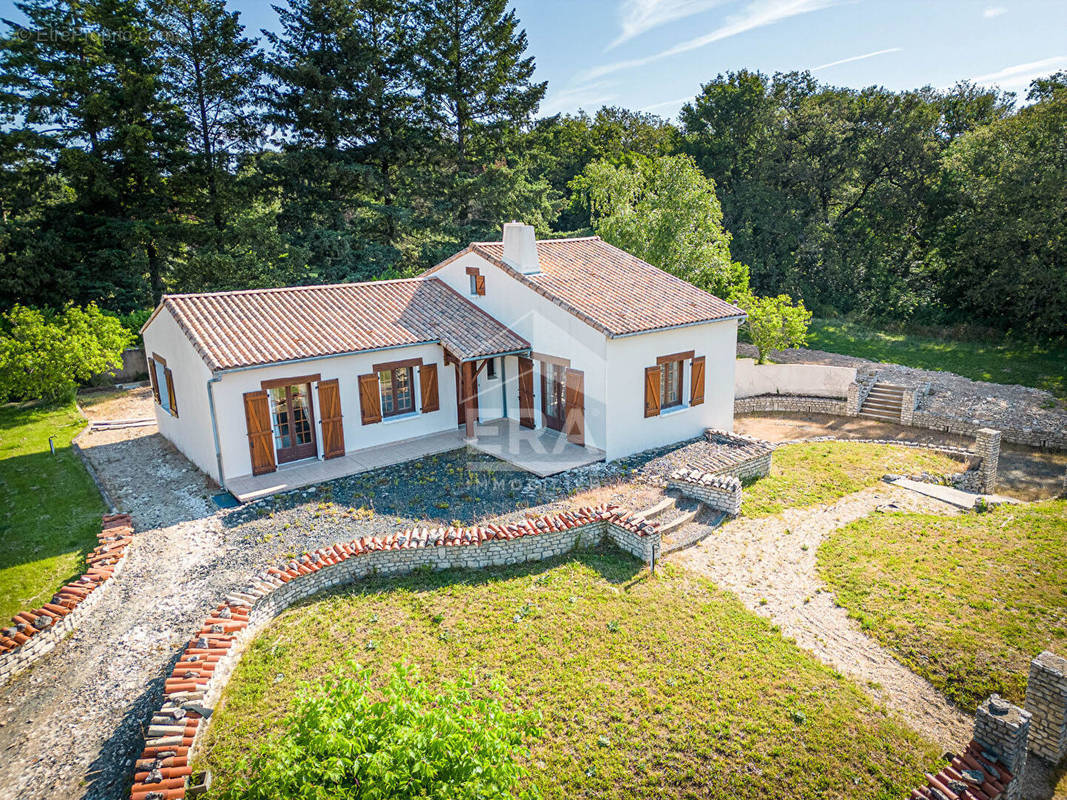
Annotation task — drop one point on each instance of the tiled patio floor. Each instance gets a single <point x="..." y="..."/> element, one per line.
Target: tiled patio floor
<point x="541" y="452"/>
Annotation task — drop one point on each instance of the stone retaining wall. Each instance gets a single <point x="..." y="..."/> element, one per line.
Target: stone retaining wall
<point x="198" y="678"/>
<point x="721" y="492"/>
<point x="36" y="632"/>
<point x="782" y="403"/>
<point x="739" y="455"/>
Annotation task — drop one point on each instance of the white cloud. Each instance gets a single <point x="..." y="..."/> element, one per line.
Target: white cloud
<point x="1017" y="78"/>
<point x="994" y="11"/>
<point x="856" y="58"/>
<point x="638" y="16"/>
<point x="589" y="96"/>
<point x="667" y="105"/>
<point x="756" y="14"/>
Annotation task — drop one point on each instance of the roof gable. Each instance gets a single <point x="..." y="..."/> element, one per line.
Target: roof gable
<point x="266" y="326"/>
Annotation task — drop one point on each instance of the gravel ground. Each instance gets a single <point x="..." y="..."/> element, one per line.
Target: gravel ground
<point x="770" y="564"/>
<point x="995" y="404"/>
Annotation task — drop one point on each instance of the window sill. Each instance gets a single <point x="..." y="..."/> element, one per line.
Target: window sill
<point x="666" y="412"/>
<point x="166" y="411"/>
<point x="400" y="417"/>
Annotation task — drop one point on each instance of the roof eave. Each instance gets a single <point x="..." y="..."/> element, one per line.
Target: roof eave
<point x="679" y="325"/>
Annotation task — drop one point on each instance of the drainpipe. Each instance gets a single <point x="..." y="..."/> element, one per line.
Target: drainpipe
<point x="215" y="427"/>
<point x="504" y="386"/>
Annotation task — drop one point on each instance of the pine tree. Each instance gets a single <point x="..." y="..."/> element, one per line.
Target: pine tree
<point x="478" y="85"/>
<point x="83" y="82"/>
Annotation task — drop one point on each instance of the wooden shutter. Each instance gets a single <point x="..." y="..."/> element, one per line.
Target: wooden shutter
<point x="574" y="422"/>
<point x="526" y="396"/>
<point x="696" y="385"/>
<point x="152" y="378"/>
<point x="370" y="399"/>
<point x="333" y="431"/>
<point x="169" y="377"/>
<point x="260" y="432"/>
<point x="652" y="391"/>
<point x="479" y="284"/>
<point x="428" y="388"/>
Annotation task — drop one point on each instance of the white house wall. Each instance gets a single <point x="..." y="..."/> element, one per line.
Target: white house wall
<point x="549" y="329"/>
<point x="190" y="431"/>
<point x="230" y="412"/>
<point x="628" y="430"/>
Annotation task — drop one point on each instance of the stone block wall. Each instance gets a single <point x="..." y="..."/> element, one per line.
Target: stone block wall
<point x="791" y="404"/>
<point x="1046" y="700"/>
<point x="1001" y="728"/>
<point x="987" y="448"/>
<point x="721" y="492"/>
<point x="205" y="665"/>
<point x="36" y="632"/>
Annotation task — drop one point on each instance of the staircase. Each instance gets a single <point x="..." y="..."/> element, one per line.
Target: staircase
<point x="884" y="402"/>
<point x="673" y="514"/>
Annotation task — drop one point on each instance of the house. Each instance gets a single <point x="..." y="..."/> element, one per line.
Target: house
<point x="552" y="352"/>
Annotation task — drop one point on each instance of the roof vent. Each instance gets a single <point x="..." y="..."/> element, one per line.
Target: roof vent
<point x="520" y="247"/>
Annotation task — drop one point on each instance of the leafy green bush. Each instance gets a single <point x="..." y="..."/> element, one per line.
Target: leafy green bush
<point x="774" y="323"/>
<point x="43" y="355"/>
<point x="134" y="321"/>
<point x="341" y="742"/>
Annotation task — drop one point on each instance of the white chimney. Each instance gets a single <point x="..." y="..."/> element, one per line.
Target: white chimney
<point x="520" y="248"/>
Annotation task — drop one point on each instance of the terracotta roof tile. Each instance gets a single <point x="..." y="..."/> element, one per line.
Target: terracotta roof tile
<point x="611" y="290"/>
<point x="265" y="326"/>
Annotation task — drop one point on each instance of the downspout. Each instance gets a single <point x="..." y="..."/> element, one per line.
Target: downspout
<point x="215" y="427"/>
<point x="504" y="385"/>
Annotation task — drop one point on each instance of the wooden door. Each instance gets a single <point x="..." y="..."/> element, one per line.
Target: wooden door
<point x="333" y="432"/>
<point x="294" y="422"/>
<point x="553" y="402"/>
<point x="526" y="393"/>
<point x="260" y="434"/>
<point x="575" y="406"/>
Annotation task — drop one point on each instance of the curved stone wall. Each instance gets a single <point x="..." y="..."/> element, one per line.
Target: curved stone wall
<point x="198" y="678"/>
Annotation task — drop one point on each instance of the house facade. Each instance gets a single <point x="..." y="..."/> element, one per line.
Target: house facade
<point x="572" y="337"/>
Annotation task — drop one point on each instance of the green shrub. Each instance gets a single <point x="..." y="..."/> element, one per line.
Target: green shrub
<point x="774" y="323"/>
<point x="342" y="742"/>
<point x="134" y="321"/>
<point x="43" y="355"/>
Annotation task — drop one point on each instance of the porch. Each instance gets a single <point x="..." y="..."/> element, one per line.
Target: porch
<point x="541" y="452"/>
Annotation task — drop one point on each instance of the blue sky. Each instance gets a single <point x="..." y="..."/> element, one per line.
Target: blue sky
<point x="654" y="54"/>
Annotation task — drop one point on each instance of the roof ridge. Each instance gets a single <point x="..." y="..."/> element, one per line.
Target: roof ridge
<point x="274" y="289"/>
<point x="548" y="241"/>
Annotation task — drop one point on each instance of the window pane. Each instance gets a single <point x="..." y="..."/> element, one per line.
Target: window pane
<point x="474" y="284"/>
<point x="301" y="417"/>
<point x="161" y="382"/>
<point x="280" y="404"/>
<point x="403" y="389"/>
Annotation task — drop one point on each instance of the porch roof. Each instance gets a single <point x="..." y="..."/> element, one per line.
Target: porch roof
<point x="268" y="326"/>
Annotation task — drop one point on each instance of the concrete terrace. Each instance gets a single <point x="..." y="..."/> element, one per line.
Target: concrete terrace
<point x="541" y="452"/>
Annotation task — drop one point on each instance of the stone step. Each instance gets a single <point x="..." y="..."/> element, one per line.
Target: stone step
<point x="680" y="520"/>
<point x="882" y="405"/>
<point x="883" y="393"/>
<point x="657" y="509"/>
<point x="880" y="416"/>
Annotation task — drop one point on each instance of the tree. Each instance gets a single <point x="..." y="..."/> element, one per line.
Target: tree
<point x="44" y="355"/>
<point x="91" y="101"/>
<point x="664" y="210"/>
<point x="774" y="323"/>
<point x="476" y="80"/>
<point x="211" y="70"/>
<point x="343" y="742"/>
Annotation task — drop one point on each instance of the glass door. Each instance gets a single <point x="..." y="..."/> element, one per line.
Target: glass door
<point x="294" y="435"/>
<point x="552" y="401"/>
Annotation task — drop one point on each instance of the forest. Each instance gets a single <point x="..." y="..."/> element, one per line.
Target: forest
<point x="152" y="146"/>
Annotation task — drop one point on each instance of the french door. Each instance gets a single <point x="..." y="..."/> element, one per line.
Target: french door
<point x="294" y="422"/>
<point x="553" y="402"/>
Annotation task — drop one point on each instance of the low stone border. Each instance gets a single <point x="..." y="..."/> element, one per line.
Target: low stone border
<point x="787" y="403"/>
<point x="721" y="492"/>
<point x="36" y="632"/>
<point x="204" y="667"/>
<point x="750" y="457"/>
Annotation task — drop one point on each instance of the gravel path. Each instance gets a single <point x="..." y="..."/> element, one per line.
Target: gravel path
<point x="770" y="564"/>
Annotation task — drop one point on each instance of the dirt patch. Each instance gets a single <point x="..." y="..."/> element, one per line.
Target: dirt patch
<point x="1025" y="473"/>
<point x="770" y="564"/>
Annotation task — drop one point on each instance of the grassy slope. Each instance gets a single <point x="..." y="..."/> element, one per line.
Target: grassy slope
<point x="820" y="472"/>
<point x="964" y="601"/>
<point x="649" y="688"/>
<point x="50" y="507"/>
<point x="997" y="362"/>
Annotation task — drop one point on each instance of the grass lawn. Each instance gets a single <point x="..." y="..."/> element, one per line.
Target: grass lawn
<point x="999" y="361"/>
<point x="657" y="687"/>
<point x="965" y="601"/>
<point x="50" y="507"/>
<point x="820" y="472"/>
